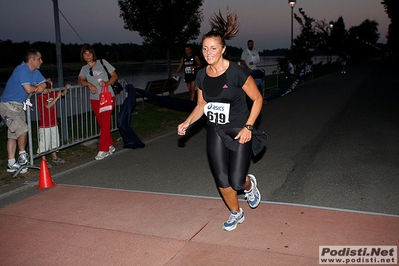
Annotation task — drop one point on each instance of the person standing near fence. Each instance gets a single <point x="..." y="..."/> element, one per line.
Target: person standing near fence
<point x="49" y="137"/>
<point x="222" y="90"/>
<point x="95" y="77"/>
<point x="289" y="72"/>
<point x="25" y="79"/>
<point x="191" y="64"/>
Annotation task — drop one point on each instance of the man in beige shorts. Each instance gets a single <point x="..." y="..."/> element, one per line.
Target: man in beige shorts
<point x="25" y="79"/>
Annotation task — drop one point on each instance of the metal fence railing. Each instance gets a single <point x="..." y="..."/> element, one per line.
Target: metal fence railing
<point x="76" y="121"/>
<point x="273" y="71"/>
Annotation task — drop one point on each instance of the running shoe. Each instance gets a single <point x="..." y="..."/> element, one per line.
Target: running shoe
<point x="234" y="219"/>
<point x="13" y="168"/>
<point x="101" y="155"/>
<point x="252" y="195"/>
<point x="111" y="150"/>
<point x="23" y="158"/>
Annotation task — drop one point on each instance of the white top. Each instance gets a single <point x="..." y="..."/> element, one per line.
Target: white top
<point x="250" y="57"/>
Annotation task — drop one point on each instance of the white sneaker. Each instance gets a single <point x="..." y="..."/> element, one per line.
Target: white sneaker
<point x="101" y="155"/>
<point x="23" y="158"/>
<point x="111" y="150"/>
<point x="13" y="168"/>
<point x="252" y="195"/>
<point x="234" y="219"/>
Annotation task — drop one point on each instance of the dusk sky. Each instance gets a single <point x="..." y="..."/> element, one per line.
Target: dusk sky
<point x="267" y="22"/>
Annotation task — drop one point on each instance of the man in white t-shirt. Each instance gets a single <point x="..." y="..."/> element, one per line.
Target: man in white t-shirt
<point x="289" y="73"/>
<point x="250" y="57"/>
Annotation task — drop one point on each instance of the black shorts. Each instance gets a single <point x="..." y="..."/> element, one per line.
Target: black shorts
<point x="189" y="77"/>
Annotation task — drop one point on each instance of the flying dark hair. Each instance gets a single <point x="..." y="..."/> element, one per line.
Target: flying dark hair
<point x="225" y="29"/>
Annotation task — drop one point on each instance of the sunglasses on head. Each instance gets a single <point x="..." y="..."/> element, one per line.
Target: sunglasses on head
<point x="91" y="71"/>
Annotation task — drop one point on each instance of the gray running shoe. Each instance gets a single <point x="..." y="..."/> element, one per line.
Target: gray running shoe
<point x="23" y="158"/>
<point x="101" y="155"/>
<point x="13" y="168"/>
<point x="111" y="150"/>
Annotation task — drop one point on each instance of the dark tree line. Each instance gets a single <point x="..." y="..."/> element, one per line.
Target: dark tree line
<point x="359" y="42"/>
<point x="12" y="52"/>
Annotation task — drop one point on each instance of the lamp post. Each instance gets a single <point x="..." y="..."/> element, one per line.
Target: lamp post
<point x="330" y="26"/>
<point x="292" y="3"/>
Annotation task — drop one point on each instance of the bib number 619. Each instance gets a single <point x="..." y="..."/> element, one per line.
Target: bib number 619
<point x="217" y="118"/>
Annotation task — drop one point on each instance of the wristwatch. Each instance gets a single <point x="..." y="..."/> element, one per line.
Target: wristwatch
<point x="249" y="127"/>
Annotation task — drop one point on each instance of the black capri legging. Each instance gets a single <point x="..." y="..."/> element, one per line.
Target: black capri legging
<point x="229" y="168"/>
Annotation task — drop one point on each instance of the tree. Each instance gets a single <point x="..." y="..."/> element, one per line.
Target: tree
<point x="318" y="35"/>
<point x="362" y="39"/>
<point x="338" y="35"/>
<point x="359" y="42"/>
<point x="163" y="23"/>
<point x="392" y="9"/>
<point x="309" y="38"/>
<point x="332" y="36"/>
<point x="323" y="31"/>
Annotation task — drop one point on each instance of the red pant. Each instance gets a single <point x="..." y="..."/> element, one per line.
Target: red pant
<point x="104" y="122"/>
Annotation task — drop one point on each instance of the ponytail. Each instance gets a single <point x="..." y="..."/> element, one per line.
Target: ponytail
<point x="225" y="29"/>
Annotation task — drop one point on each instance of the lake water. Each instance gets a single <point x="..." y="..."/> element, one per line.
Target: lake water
<point x="140" y="74"/>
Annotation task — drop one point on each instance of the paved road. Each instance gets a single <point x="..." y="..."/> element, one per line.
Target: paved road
<point x="333" y="142"/>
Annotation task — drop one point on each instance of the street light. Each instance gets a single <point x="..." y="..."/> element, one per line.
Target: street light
<point x="330" y="26"/>
<point x="292" y="3"/>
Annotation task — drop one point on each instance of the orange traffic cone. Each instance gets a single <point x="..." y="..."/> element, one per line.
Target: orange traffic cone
<point x="45" y="180"/>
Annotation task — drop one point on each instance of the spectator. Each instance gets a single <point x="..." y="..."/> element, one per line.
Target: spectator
<point x="223" y="87"/>
<point x="191" y="65"/>
<point x="49" y="138"/>
<point x="94" y="76"/>
<point x="289" y="73"/>
<point x="250" y="57"/>
<point x="25" y="79"/>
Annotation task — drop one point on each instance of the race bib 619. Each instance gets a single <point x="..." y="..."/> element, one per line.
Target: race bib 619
<point x="217" y="113"/>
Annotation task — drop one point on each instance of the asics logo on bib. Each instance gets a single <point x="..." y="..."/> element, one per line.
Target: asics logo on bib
<point x="215" y="107"/>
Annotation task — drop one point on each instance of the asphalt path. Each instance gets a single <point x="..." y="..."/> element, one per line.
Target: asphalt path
<point x="333" y="142"/>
